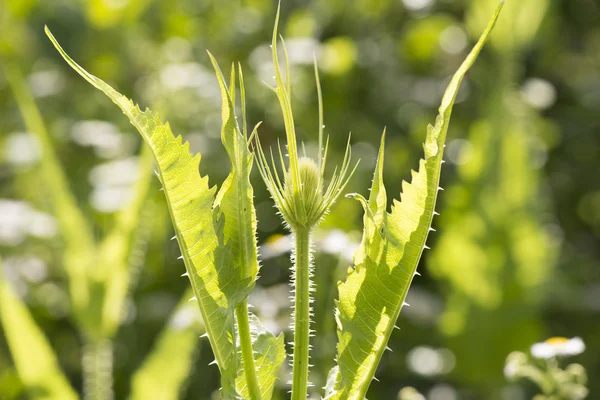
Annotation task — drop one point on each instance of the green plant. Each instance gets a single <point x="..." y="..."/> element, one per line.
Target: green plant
<point x="216" y="232"/>
<point x="544" y="369"/>
<point x="99" y="276"/>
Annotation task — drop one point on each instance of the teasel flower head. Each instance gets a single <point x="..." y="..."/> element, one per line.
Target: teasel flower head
<point x="300" y="192"/>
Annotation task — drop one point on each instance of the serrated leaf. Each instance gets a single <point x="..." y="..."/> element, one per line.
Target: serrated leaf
<point x="218" y="287"/>
<point x="374" y="292"/>
<point x="177" y="348"/>
<point x="35" y="361"/>
<point x="269" y="353"/>
<point x="236" y="196"/>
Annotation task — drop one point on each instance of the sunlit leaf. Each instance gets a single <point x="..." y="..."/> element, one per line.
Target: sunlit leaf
<point x="236" y="201"/>
<point x="374" y="292"/>
<point x="269" y="353"/>
<point x="218" y="286"/>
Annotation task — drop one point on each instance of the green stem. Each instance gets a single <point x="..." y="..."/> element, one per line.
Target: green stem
<point x="97" y="366"/>
<point x="302" y="314"/>
<point x="247" y="353"/>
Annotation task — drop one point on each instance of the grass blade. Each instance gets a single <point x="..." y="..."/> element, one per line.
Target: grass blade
<point x="34" y="359"/>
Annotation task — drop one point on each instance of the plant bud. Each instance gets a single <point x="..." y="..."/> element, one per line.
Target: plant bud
<point x="305" y="200"/>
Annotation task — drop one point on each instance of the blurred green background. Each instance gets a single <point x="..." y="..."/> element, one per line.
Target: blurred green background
<point x="516" y="254"/>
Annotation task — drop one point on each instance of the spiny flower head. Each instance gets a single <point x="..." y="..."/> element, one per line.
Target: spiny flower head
<point x="301" y="198"/>
<point x="306" y="200"/>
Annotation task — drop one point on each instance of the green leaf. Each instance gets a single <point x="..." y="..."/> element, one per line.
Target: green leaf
<point x="374" y="292"/>
<point x="235" y="201"/>
<point x="269" y="353"/>
<point x="35" y="361"/>
<point x="177" y="348"/>
<point x="218" y="287"/>
<point x="97" y="293"/>
<point x="235" y="197"/>
<point x="114" y="252"/>
<point x="78" y="237"/>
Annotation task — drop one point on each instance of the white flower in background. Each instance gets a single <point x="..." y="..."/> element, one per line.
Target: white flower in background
<point x="338" y="242"/>
<point x="22" y="149"/>
<point x="113" y="182"/>
<point x="185" y="317"/>
<point x="558" y="346"/>
<point x="104" y="137"/>
<point x="539" y="93"/>
<point x="276" y="245"/>
<point x="335" y="241"/>
<point x="427" y="361"/>
<point x="300" y="52"/>
<point x="46" y="83"/>
<point x="19" y="220"/>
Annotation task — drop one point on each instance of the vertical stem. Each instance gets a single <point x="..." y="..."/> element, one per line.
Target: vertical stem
<point x="241" y="312"/>
<point x="97" y="366"/>
<point x="302" y="314"/>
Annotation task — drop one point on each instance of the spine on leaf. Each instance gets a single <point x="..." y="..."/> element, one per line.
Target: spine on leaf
<point x="216" y="233"/>
<point x="217" y="286"/>
<point x="372" y="296"/>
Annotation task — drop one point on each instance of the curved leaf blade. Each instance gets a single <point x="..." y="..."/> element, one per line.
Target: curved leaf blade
<point x="235" y="198"/>
<point x="35" y="361"/>
<point x="199" y="231"/>
<point x="374" y="292"/>
<point x="236" y="201"/>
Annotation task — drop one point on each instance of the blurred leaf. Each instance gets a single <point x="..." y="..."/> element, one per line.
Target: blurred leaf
<point x="78" y="238"/>
<point x="108" y="13"/>
<point x="21" y="8"/>
<point x="113" y="267"/>
<point x="339" y="55"/>
<point x="171" y="361"/>
<point x="34" y="359"/>
<point x="421" y="42"/>
<point x="374" y="292"/>
<point x="519" y="26"/>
